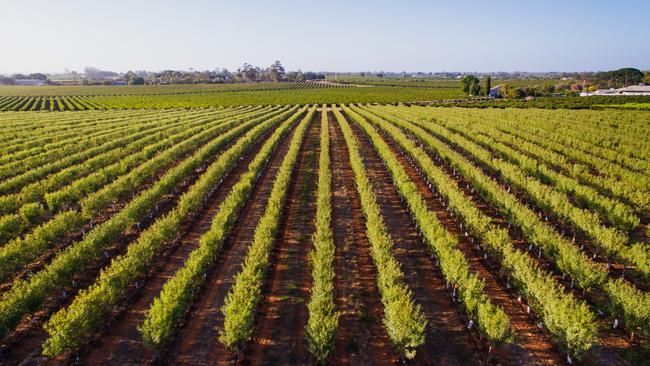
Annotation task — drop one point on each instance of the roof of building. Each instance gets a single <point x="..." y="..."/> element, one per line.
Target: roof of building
<point x="29" y="82"/>
<point x="635" y="89"/>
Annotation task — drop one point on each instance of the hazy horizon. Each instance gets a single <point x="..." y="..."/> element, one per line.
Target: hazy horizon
<point x="336" y="36"/>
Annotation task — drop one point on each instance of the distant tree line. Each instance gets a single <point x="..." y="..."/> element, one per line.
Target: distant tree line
<point x="275" y="73"/>
<point x="616" y="78"/>
<point x="571" y="85"/>
<point x="247" y="73"/>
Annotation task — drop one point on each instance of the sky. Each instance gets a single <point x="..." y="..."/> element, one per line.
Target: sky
<point x="333" y="35"/>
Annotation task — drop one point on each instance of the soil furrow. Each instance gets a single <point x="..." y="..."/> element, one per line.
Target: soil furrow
<point x="282" y="314"/>
<point x="362" y="339"/>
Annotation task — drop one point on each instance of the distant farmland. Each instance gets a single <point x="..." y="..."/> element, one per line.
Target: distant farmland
<point x="77" y="98"/>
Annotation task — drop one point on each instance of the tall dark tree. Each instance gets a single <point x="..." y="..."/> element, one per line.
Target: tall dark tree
<point x="470" y="82"/>
<point x="136" y="80"/>
<point x="628" y="76"/>
<point x="488" y="85"/>
<point x="617" y="78"/>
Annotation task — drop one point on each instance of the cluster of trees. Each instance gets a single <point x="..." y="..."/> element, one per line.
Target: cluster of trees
<point x="546" y="89"/>
<point x="274" y="73"/>
<point x="617" y="78"/>
<point x="247" y="73"/>
<point x="471" y="85"/>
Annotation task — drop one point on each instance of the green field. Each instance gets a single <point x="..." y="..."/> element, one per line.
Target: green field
<point x="436" y="92"/>
<point x="561" y="102"/>
<point x="154" y="223"/>
<point x="61" y="98"/>
<point x="62" y="90"/>
<point x="632" y="106"/>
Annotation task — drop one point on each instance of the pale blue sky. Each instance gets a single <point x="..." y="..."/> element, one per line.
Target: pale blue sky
<point x="335" y="35"/>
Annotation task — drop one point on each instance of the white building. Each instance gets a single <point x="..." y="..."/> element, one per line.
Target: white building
<point x="495" y="91"/>
<point x="634" y="90"/>
<point x="628" y="90"/>
<point x="29" y="82"/>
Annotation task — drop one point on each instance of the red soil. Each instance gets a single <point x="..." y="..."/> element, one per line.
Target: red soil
<point x="282" y="314"/>
<point x="122" y="343"/>
<point x="361" y="339"/>
<point x="197" y="342"/>
<point x="448" y="341"/>
<point x="532" y="346"/>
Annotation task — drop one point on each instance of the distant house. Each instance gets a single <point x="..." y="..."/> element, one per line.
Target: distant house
<point x="628" y="90"/>
<point x="29" y="82"/>
<point x="495" y="92"/>
<point x="611" y="91"/>
<point x="118" y="82"/>
<point x="634" y="90"/>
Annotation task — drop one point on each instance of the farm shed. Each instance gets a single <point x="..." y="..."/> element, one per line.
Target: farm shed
<point x="29" y="82"/>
